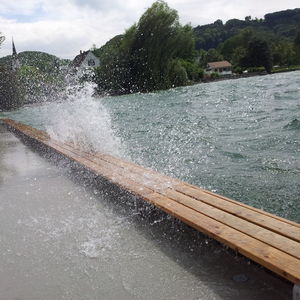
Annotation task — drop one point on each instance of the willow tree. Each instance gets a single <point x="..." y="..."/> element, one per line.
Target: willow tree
<point x="151" y="55"/>
<point x="159" y="39"/>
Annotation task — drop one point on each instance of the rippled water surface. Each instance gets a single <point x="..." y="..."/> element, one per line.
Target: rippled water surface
<point x="239" y="138"/>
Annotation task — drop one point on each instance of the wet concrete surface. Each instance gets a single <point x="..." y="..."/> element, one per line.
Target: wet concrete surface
<point x="62" y="237"/>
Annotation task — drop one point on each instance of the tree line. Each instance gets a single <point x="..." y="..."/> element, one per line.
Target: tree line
<point x="252" y="43"/>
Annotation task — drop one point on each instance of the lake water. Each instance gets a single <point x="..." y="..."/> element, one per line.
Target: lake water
<point x="239" y="138"/>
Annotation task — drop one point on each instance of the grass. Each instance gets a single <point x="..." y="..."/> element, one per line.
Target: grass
<point x="286" y="69"/>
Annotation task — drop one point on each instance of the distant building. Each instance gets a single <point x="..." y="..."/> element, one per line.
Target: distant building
<point x="221" y="67"/>
<point x="15" y="63"/>
<point x="84" y="61"/>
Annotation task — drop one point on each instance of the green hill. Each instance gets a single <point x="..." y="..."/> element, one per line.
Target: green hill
<point x="46" y="63"/>
<point x="278" y="25"/>
<point x="39" y="77"/>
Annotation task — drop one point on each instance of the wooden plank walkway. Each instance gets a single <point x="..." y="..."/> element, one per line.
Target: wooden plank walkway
<point x="267" y="239"/>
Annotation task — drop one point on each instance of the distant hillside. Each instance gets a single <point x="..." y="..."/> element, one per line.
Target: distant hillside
<point x="279" y="25"/>
<point x="45" y="62"/>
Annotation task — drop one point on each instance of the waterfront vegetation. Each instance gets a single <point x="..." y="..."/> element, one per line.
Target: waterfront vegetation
<point x="158" y="53"/>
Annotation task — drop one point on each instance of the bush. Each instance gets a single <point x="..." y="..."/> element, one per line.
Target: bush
<point x="178" y="75"/>
<point x="194" y="72"/>
<point x="238" y="70"/>
<point x="214" y="75"/>
<point x="286" y="69"/>
<point x="256" y="69"/>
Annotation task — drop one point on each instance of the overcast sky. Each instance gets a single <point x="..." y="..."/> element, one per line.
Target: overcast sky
<point x="64" y="27"/>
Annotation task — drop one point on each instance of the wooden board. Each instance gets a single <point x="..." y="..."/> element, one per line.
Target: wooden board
<point x="267" y="239"/>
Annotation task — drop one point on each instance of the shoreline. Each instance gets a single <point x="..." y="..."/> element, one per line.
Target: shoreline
<point x="207" y="80"/>
<point x="238" y="76"/>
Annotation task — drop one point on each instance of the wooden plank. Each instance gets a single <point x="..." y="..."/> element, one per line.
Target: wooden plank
<point x="227" y="224"/>
<point x="266" y="221"/>
<point x="269" y="257"/>
<point x="247" y="206"/>
<point x="260" y="233"/>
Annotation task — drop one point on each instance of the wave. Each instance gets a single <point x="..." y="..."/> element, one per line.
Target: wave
<point x="293" y="125"/>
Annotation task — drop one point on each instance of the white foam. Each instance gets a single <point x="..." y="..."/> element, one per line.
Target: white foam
<point x="83" y="120"/>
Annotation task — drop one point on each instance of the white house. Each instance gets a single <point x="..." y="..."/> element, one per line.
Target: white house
<point x="221" y="67"/>
<point x="85" y="60"/>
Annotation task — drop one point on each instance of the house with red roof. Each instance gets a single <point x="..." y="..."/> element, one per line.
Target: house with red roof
<point x="220" y="67"/>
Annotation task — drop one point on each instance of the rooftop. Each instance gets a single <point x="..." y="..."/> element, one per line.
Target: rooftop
<point x="219" y="64"/>
<point x="79" y="58"/>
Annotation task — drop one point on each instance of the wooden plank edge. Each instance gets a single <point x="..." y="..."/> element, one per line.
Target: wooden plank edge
<point x="273" y="259"/>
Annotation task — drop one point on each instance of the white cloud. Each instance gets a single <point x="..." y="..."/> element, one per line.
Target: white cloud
<point x="65" y="27"/>
<point x="64" y="32"/>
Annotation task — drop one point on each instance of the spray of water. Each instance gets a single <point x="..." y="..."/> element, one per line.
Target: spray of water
<point x="81" y="119"/>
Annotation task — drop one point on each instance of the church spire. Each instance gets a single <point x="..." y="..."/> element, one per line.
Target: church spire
<point x="14" y="51"/>
<point x="15" y="64"/>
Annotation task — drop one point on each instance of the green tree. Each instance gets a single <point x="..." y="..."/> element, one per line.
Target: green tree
<point x="284" y="54"/>
<point x="158" y="40"/>
<point x="258" y="55"/>
<point x="144" y="58"/>
<point x="230" y="46"/>
<point x="110" y="75"/>
<point x="238" y="55"/>
<point x="203" y="57"/>
<point x="10" y="94"/>
<point x="297" y="40"/>
<point x="193" y="71"/>
<point x="297" y="48"/>
<point x="177" y="74"/>
<point x="213" y="55"/>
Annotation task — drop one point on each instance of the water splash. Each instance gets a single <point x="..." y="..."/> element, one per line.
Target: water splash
<point x="82" y="120"/>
